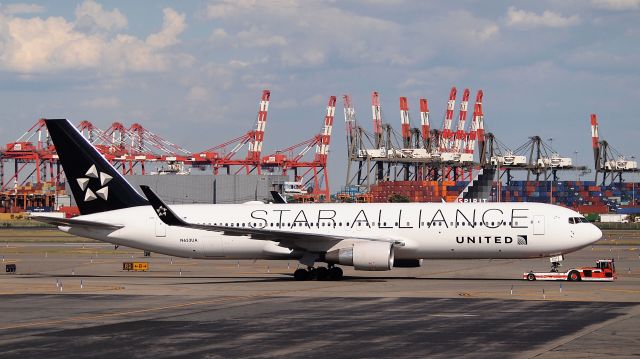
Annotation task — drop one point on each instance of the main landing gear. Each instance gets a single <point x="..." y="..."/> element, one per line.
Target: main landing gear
<point x="319" y="273"/>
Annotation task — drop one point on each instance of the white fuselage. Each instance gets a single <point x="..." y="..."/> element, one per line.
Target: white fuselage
<point x="427" y="230"/>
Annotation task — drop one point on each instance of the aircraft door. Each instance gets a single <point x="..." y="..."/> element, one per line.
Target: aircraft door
<point x="538" y="224"/>
<point x="161" y="228"/>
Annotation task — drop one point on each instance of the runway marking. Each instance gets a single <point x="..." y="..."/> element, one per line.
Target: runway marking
<point x="47" y="289"/>
<point x="453" y="315"/>
<point x="622" y="290"/>
<point x="426" y="276"/>
<point x="124" y="313"/>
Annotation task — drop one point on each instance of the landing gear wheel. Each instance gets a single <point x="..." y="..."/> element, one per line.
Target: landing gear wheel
<point x="312" y="273"/>
<point x="574" y="276"/>
<point x="322" y="273"/>
<point x="335" y="273"/>
<point x="531" y="277"/>
<point x="301" y="274"/>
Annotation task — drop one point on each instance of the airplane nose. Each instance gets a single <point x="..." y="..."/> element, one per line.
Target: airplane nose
<point x="595" y="234"/>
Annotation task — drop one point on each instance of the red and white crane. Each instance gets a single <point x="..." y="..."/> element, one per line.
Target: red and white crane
<point x="595" y="140"/>
<point x="377" y="118"/>
<point x="424" y="123"/>
<point x="446" y="134"/>
<point x="462" y="119"/>
<point x="477" y="125"/>
<point x="257" y="136"/>
<point x="405" y="122"/>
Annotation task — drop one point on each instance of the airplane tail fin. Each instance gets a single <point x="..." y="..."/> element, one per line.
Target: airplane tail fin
<point x="95" y="184"/>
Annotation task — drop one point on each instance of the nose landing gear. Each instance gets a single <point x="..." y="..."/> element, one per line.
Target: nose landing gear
<point x="320" y="273"/>
<point x="556" y="262"/>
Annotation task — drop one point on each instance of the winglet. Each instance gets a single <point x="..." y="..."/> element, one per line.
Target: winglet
<point x="163" y="211"/>
<point x="277" y="197"/>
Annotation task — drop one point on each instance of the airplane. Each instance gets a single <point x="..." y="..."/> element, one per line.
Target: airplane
<point x="365" y="236"/>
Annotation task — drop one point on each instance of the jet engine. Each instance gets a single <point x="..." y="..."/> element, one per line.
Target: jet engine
<point x="369" y="256"/>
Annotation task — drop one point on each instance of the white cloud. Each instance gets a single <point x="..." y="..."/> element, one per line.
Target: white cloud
<point x="103" y="102"/>
<point x="228" y="8"/>
<point x="315" y="100"/>
<point x="91" y="15"/>
<point x="22" y="8"/>
<point x="254" y="37"/>
<point x="198" y="93"/>
<point x="219" y="34"/>
<point x="172" y="26"/>
<point x="313" y="34"/>
<point x="435" y="75"/>
<point x="42" y="45"/>
<point x="616" y="5"/>
<point x="463" y="26"/>
<point x="522" y="18"/>
<point x="487" y="32"/>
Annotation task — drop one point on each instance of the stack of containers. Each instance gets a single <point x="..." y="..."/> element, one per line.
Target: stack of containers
<point x="586" y="197"/>
<point x="417" y="191"/>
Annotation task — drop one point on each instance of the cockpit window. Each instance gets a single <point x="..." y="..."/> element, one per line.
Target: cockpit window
<point x="574" y="220"/>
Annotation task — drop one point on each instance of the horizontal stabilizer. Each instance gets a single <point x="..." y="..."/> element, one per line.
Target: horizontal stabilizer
<point x="71" y="222"/>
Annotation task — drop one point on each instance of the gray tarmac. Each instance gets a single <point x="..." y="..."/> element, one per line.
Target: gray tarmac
<point x="74" y="300"/>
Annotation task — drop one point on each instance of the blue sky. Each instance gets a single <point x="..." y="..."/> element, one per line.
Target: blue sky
<point x="193" y="71"/>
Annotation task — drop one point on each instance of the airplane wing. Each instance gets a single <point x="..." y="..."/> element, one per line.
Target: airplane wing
<point x="286" y="238"/>
<point x="70" y="222"/>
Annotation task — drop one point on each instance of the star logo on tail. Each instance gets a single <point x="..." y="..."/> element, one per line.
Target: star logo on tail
<point x="162" y="211"/>
<point x="102" y="192"/>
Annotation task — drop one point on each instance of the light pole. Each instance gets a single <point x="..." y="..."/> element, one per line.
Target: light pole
<point x="576" y="164"/>
<point x="633" y="187"/>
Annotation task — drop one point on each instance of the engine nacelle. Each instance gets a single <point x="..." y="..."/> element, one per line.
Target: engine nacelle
<point x="407" y="263"/>
<point x="369" y="256"/>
